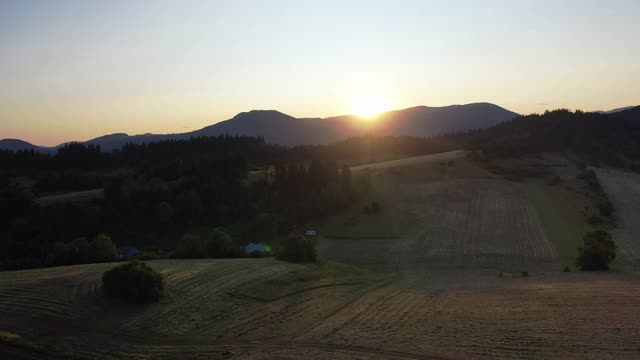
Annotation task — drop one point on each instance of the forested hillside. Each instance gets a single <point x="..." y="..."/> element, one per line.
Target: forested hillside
<point x="611" y="139"/>
<point x="153" y="195"/>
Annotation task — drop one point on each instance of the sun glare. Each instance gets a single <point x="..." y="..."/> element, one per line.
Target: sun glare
<point x="368" y="104"/>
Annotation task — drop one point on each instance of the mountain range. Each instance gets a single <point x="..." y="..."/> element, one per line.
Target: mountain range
<point x="613" y="111"/>
<point x="278" y="128"/>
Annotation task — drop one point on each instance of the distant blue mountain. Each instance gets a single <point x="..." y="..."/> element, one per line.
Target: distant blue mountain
<point x="15" y="145"/>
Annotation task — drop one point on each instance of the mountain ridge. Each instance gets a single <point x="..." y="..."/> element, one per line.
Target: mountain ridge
<point x="280" y="128"/>
<point x="616" y="110"/>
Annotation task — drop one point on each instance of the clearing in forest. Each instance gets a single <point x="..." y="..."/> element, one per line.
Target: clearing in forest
<point x="440" y="210"/>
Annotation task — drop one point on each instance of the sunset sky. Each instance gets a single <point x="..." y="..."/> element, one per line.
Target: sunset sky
<point x="74" y="70"/>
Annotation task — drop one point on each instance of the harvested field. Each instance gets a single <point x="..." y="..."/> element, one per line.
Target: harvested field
<point x="219" y="309"/>
<point x="623" y="189"/>
<point x="479" y="221"/>
<point x="464" y="315"/>
<point x="203" y="296"/>
<point x="455" y="222"/>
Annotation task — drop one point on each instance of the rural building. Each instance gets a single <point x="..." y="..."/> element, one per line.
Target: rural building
<point x="311" y="233"/>
<point x="125" y="253"/>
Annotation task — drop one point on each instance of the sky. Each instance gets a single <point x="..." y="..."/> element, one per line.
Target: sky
<point x="75" y="70"/>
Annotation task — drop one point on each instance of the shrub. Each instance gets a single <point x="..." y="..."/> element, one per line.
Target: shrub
<point x="219" y="244"/>
<point x="566" y="269"/>
<point x="148" y="255"/>
<point x="191" y="247"/>
<point x="134" y="282"/>
<point x="598" y="252"/>
<point x="297" y="248"/>
<point x="256" y="254"/>
<point x="101" y="249"/>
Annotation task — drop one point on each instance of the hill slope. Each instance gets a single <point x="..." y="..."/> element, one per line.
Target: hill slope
<point x="609" y="138"/>
<point x="15" y="145"/>
<point x="616" y="110"/>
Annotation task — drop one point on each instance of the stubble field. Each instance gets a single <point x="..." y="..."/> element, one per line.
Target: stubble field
<point x="623" y="189"/>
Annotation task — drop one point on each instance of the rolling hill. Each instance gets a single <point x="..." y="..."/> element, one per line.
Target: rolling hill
<point x="278" y="128"/>
<point x="15" y="145"/>
<point x="447" y="284"/>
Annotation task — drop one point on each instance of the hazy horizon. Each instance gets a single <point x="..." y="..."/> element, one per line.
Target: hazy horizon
<point x="76" y="70"/>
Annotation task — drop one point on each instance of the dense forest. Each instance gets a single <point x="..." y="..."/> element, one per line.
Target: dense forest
<point x="153" y="194"/>
<point x="166" y="196"/>
<point x="612" y="139"/>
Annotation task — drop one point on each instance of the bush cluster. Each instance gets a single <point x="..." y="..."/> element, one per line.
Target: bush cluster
<point x="216" y="243"/>
<point x="598" y="252"/>
<point x="297" y="248"/>
<point x="602" y="201"/>
<point x="133" y="282"/>
<point x="80" y="251"/>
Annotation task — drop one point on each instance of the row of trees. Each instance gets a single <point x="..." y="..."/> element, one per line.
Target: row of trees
<point x="214" y="243"/>
<point x="598" y="252"/>
<point x="81" y="251"/>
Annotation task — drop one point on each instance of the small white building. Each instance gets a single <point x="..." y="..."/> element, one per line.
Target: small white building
<point x="311" y="233"/>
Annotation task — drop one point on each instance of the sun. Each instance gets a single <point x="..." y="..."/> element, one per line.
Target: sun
<point x="368" y="104"/>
